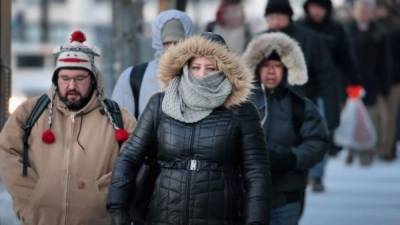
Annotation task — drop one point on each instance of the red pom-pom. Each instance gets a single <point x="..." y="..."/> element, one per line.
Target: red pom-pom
<point x="121" y="135"/>
<point x="354" y="91"/>
<point x="48" y="136"/>
<point x="78" y="36"/>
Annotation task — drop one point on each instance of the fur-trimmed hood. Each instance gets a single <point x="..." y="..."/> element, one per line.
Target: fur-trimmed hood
<point x="172" y="62"/>
<point x="287" y="48"/>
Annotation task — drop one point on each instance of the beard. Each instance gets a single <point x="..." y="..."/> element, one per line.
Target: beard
<point x="77" y="104"/>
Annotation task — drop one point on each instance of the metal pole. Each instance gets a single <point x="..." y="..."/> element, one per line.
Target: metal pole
<point x="127" y="26"/>
<point x="5" y="49"/>
<point x="181" y="5"/>
<point x="44" y="21"/>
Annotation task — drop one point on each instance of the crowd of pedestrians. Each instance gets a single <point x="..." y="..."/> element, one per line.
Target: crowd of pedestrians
<point x="220" y="127"/>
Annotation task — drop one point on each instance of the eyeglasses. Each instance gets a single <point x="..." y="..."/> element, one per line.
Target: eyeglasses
<point x="77" y="80"/>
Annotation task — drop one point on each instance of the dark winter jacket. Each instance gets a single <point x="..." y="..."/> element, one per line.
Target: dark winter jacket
<point x="296" y="140"/>
<point x="212" y="172"/>
<point x="373" y="59"/>
<point x="337" y="42"/>
<point x="392" y="26"/>
<point x="295" y="133"/>
<point x="321" y="71"/>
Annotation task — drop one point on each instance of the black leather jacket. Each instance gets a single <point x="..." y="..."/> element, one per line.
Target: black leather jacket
<point x="212" y="172"/>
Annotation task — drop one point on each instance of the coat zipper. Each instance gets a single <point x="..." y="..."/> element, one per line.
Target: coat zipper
<point x="189" y="178"/>
<point x="267" y="122"/>
<point x="67" y="152"/>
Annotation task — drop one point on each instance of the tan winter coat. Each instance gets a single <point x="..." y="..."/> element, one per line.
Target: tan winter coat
<point x="68" y="180"/>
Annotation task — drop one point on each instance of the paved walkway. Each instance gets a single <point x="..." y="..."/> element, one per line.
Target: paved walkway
<point x="356" y="195"/>
<point x="7" y="216"/>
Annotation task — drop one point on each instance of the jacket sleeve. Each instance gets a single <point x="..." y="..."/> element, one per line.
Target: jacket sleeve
<point x="314" y="139"/>
<point x="385" y="60"/>
<point x="255" y="165"/>
<point x="346" y="58"/>
<point x="11" y="146"/>
<point x="122" y="93"/>
<point x="131" y="158"/>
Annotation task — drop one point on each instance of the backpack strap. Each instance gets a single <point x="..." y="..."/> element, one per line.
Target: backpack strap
<point x="136" y="79"/>
<point x="37" y="110"/>
<point x="115" y="112"/>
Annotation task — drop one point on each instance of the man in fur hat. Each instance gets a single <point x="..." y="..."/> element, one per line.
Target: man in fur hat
<point x="72" y="146"/>
<point x="295" y="132"/>
<point x="322" y="85"/>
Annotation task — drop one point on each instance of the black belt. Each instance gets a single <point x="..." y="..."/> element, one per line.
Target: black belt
<point x="197" y="165"/>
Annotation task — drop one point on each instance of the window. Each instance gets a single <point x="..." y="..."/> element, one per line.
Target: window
<point x="30" y="61"/>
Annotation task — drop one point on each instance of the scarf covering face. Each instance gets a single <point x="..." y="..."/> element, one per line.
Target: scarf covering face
<point x="189" y="99"/>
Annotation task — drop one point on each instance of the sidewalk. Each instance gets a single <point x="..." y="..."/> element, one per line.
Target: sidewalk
<point x="356" y="195"/>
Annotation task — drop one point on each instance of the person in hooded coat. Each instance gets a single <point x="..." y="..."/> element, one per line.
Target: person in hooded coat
<point x="318" y="17"/>
<point x="371" y="45"/>
<point x="72" y="146"/>
<point x="322" y="85"/>
<point x="388" y="15"/>
<point x="321" y="70"/>
<point x="211" y="156"/>
<point x="295" y="133"/>
<point x="168" y="28"/>
<point x="230" y="23"/>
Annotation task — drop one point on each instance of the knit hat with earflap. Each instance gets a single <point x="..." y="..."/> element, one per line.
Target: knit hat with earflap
<point x="75" y="55"/>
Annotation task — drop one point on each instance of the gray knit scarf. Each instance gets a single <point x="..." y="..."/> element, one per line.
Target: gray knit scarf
<point x="190" y="99"/>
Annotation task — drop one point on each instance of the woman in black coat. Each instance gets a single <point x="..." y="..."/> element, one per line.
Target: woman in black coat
<point x="210" y="147"/>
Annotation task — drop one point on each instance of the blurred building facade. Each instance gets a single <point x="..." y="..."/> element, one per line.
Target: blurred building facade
<point x="32" y="60"/>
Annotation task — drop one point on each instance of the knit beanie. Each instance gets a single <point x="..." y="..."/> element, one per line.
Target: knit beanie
<point x="75" y="55"/>
<point x="279" y="6"/>
<point x="327" y="4"/>
<point x="214" y="38"/>
<point x="172" y="31"/>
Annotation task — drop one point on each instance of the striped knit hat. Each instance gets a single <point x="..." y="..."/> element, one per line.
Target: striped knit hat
<point x="75" y="55"/>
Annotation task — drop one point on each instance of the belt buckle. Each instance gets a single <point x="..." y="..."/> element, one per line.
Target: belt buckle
<point x="193" y="164"/>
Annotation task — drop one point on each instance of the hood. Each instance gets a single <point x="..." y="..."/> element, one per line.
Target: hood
<point x="159" y="23"/>
<point x="287" y="48"/>
<point x="229" y="63"/>
<point x="327" y="4"/>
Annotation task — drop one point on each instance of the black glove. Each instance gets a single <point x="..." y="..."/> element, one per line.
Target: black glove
<point x="120" y="217"/>
<point x="282" y="158"/>
<point x="333" y="149"/>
